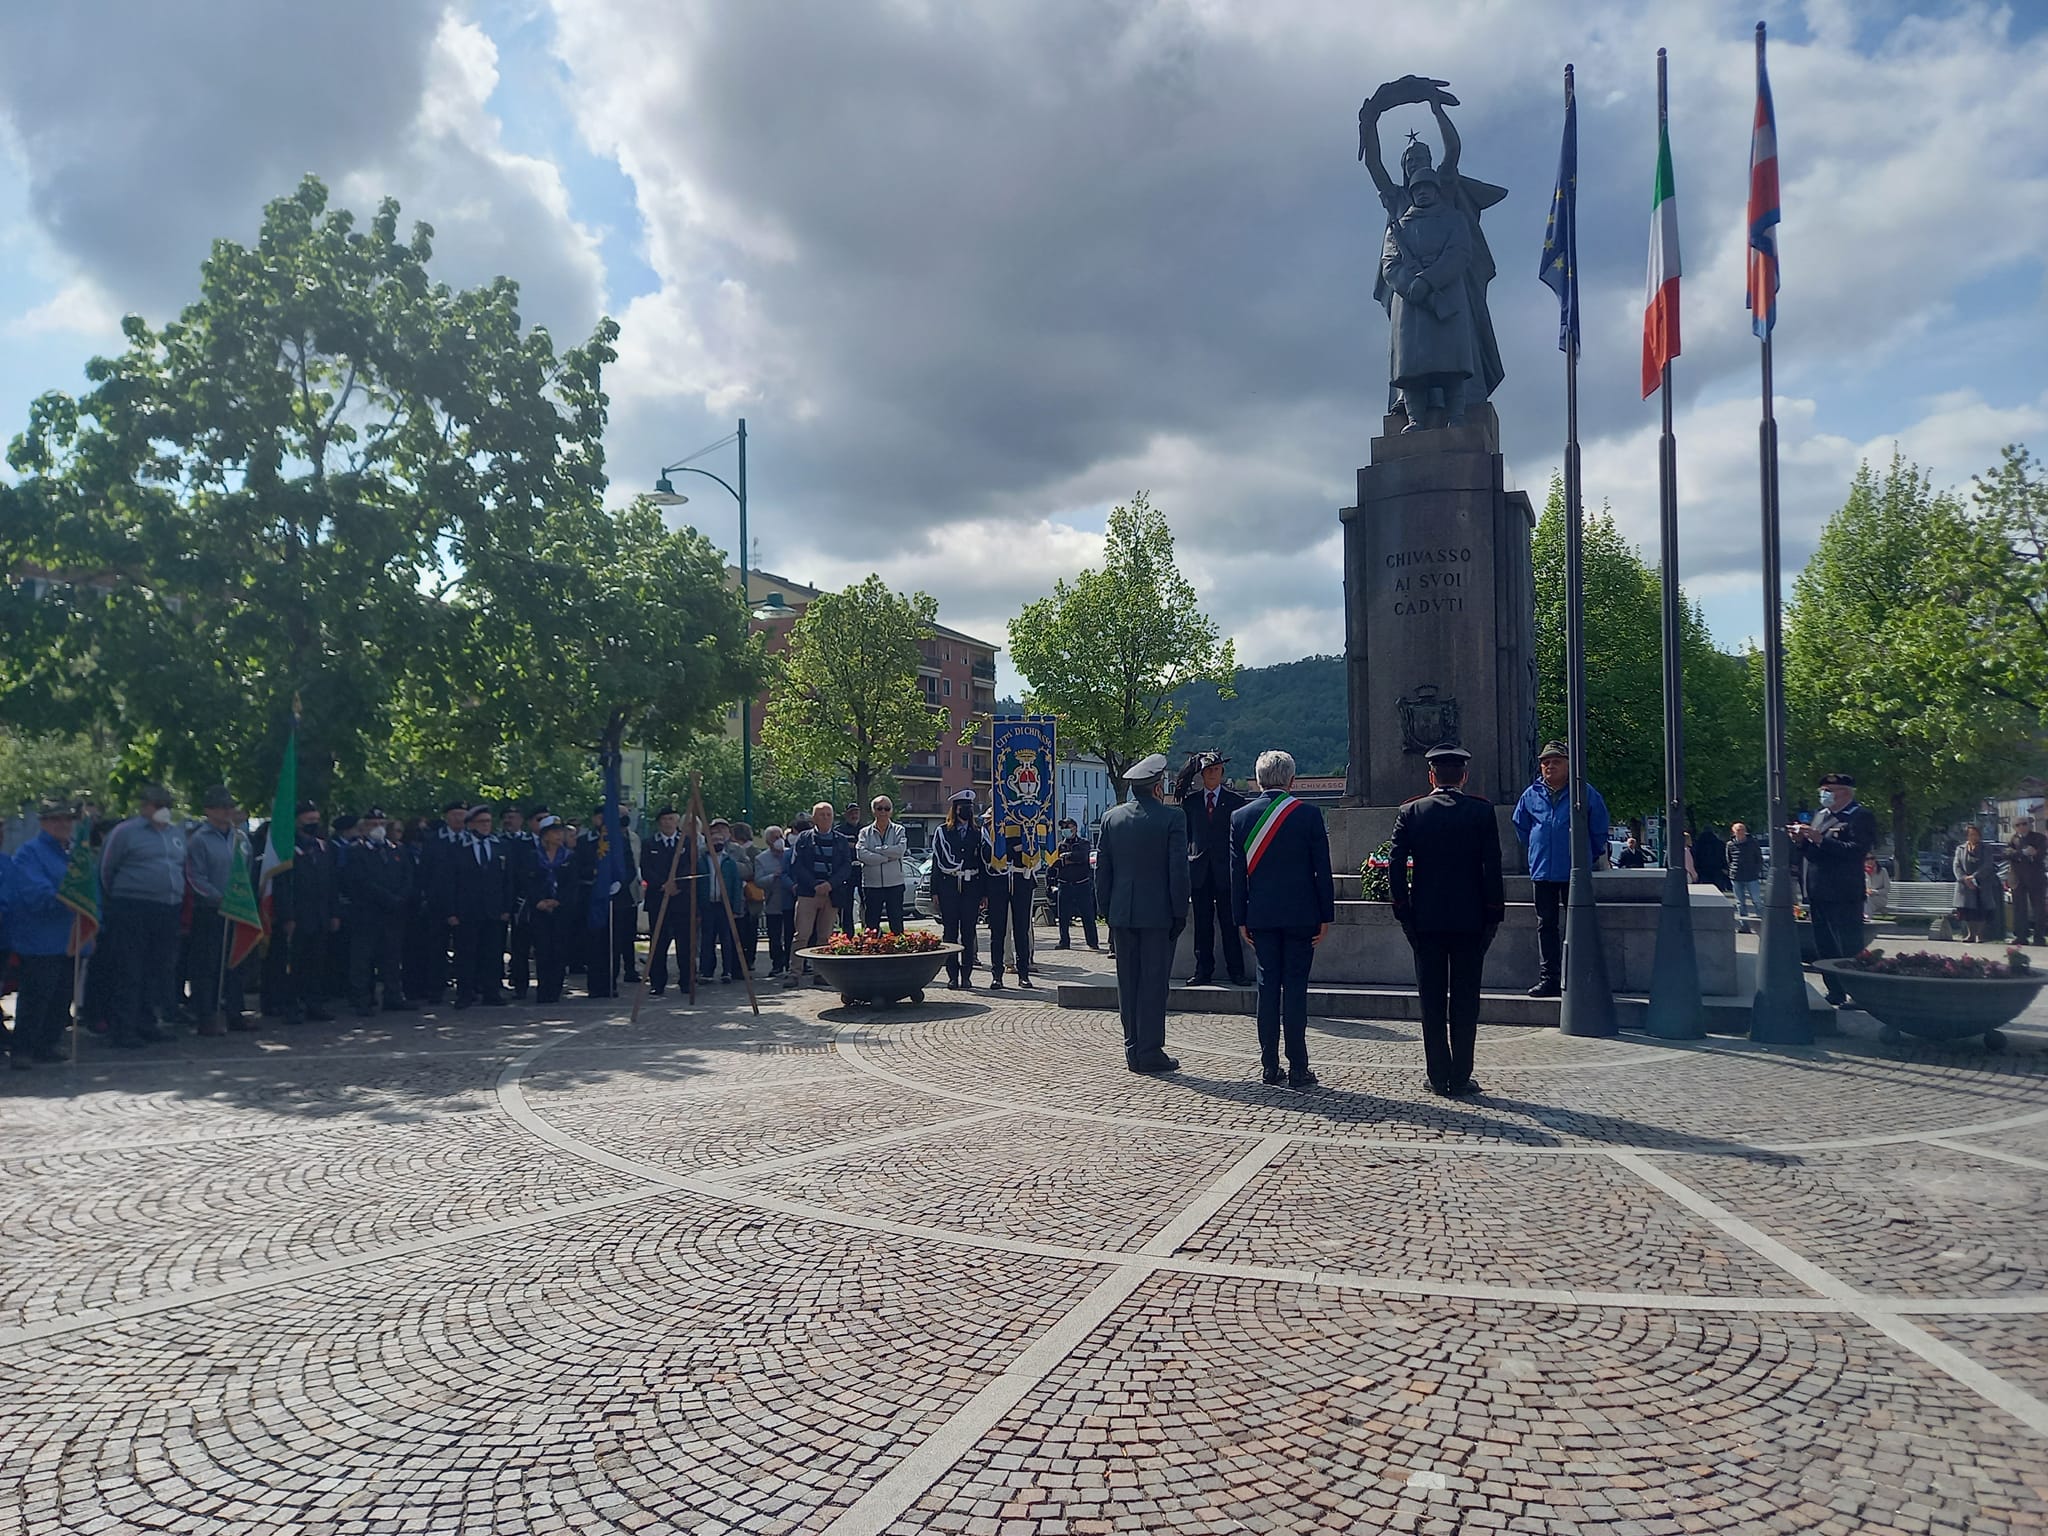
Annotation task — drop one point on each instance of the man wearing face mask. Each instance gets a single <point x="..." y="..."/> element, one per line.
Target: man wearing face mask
<point x="771" y="874"/>
<point x="142" y="891"/>
<point x="1831" y="849"/>
<point x="377" y="881"/>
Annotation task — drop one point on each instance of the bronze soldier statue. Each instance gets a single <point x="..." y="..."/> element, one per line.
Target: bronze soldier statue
<point x="1434" y="264"/>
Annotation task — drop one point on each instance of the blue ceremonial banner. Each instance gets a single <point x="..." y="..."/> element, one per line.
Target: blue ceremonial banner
<point x="1025" y="782"/>
<point x="1560" y="269"/>
<point x="612" y="866"/>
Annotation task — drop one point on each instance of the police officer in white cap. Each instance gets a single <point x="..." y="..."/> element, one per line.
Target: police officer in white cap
<point x="1141" y="888"/>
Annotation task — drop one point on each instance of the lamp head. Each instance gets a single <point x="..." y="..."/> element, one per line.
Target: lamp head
<point x="666" y="494"/>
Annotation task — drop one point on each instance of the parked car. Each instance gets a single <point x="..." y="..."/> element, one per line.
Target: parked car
<point x="917" y="885"/>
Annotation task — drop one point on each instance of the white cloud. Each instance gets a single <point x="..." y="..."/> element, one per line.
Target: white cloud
<point x="494" y="211"/>
<point x="76" y="309"/>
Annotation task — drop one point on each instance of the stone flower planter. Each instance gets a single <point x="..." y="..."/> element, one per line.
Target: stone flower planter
<point x="880" y="979"/>
<point x="1937" y="1007"/>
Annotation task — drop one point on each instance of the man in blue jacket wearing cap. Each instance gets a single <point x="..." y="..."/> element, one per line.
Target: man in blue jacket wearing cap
<point x="1543" y="821"/>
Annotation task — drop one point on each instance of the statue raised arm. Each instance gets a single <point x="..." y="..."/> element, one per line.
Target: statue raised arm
<point x="1453" y="360"/>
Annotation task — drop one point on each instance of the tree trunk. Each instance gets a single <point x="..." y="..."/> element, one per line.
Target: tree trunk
<point x="1904" y="865"/>
<point x="863" y="776"/>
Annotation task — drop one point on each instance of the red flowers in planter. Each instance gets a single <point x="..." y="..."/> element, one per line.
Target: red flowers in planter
<point x="1951" y="967"/>
<point x="874" y="941"/>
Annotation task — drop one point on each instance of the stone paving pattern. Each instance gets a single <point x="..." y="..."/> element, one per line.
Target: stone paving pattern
<point x="952" y="1269"/>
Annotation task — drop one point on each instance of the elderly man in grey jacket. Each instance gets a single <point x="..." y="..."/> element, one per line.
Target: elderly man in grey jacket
<point x="1141" y="888"/>
<point x="142" y="891"/>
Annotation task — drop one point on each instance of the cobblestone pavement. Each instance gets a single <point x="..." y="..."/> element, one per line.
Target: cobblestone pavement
<point x="950" y="1268"/>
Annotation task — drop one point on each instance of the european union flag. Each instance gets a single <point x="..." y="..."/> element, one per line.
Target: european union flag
<point x="612" y="868"/>
<point x="1560" y="269"/>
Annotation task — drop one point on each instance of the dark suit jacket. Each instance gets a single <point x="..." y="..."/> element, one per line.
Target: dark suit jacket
<point x="657" y="858"/>
<point x="1834" y="859"/>
<point x="481" y="889"/>
<point x="1292" y="887"/>
<point x="1209" y="836"/>
<point x="1141" y="865"/>
<point x="1445" y="863"/>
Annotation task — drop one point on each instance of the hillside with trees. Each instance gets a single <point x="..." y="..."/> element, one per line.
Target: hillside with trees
<point x="1297" y="706"/>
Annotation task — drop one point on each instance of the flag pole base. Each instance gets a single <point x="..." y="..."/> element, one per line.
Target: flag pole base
<point x="1588" y="1005"/>
<point x="1778" y="1014"/>
<point x="1675" y="998"/>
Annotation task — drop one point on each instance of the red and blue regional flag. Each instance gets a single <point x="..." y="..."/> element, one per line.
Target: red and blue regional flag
<point x="1763" y="203"/>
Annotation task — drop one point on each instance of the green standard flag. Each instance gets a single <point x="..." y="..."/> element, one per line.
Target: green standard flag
<point x="238" y="906"/>
<point x="81" y="888"/>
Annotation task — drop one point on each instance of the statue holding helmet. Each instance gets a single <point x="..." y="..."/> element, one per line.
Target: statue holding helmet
<point x="1434" y="265"/>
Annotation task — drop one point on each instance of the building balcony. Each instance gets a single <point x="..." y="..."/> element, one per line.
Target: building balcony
<point x="925" y="767"/>
<point x="984" y="671"/>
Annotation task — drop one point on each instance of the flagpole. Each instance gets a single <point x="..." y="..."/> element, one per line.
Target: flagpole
<point x="77" y="988"/>
<point x="220" y="990"/>
<point x="1778" y="1014"/>
<point x="1588" y="1004"/>
<point x="1675" y="998"/>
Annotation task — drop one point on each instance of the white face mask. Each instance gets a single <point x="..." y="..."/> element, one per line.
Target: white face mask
<point x="376" y="834"/>
<point x="775" y="843"/>
<point x="1827" y="799"/>
<point x="161" y="815"/>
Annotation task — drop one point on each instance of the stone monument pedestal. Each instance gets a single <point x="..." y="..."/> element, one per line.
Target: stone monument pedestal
<point x="1439" y="615"/>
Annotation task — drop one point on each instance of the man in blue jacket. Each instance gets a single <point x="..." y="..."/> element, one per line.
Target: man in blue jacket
<point x="39" y="931"/>
<point x="1283" y="899"/>
<point x="1543" y="821"/>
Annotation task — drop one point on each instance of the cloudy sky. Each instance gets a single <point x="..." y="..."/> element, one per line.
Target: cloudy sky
<point x="973" y="272"/>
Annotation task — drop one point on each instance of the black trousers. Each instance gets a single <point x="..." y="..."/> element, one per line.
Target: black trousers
<point x="376" y="944"/>
<point x="42" y="1006"/>
<point x="423" y="961"/>
<point x="846" y="911"/>
<point x="883" y="903"/>
<point x="750" y="938"/>
<point x="1212" y="911"/>
<point x="518" y="953"/>
<point x="1553" y="901"/>
<point x="209" y="937"/>
<point x="1009" y="918"/>
<point x="1286" y="955"/>
<point x="625" y="935"/>
<point x="2029" y="921"/>
<point x="598" y="955"/>
<point x="1837" y="934"/>
<point x="479" y="960"/>
<point x="667" y="934"/>
<point x="138" y="950"/>
<point x="959" y="918"/>
<point x="1077" y="899"/>
<point x="1447" y="969"/>
<point x="779" y="925"/>
<point x="554" y="936"/>
<point x="1144" y="956"/>
<point x="305" y="986"/>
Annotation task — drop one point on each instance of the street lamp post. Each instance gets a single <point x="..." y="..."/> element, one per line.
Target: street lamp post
<point x="666" y="495"/>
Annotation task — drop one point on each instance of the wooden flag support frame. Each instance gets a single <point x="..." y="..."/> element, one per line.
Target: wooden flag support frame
<point x="696" y="821"/>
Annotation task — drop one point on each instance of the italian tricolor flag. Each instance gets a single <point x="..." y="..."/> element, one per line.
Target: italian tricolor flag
<point x="1660" y="289"/>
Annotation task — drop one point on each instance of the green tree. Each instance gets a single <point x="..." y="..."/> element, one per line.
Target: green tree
<point x="846" y="697"/>
<point x="78" y="766"/>
<point x="777" y="801"/>
<point x="1108" y="650"/>
<point x="1976" y="629"/>
<point x="330" y="478"/>
<point x="1625" y="679"/>
<point x="1872" y="637"/>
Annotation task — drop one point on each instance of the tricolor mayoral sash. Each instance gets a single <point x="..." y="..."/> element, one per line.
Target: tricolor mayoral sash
<point x="1260" y="838"/>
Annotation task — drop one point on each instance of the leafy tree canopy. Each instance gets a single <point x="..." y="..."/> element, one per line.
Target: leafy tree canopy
<point x="847" y="698"/>
<point x="1108" y="651"/>
<point x="337" y="480"/>
<point x="1625" y="680"/>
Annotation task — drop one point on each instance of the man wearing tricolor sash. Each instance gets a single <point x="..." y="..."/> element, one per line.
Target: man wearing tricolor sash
<point x="1282" y="897"/>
